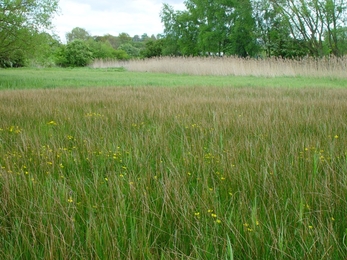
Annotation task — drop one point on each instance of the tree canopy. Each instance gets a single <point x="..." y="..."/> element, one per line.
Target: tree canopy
<point x="20" y="24"/>
<point x="286" y="28"/>
<point x="77" y="33"/>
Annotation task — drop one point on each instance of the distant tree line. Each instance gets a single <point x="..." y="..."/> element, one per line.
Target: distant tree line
<point x="82" y="48"/>
<point x="244" y="28"/>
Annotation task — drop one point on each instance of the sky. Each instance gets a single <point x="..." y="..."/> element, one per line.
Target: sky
<point x="100" y="17"/>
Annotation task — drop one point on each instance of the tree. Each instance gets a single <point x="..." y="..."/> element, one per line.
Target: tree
<point x="341" y="39"/>
<point x="130" y="49"/>
<point x="101" y="50"/>
<point x="123" y="38"/>
<point x="154" y="48"/>
<point x="20" y="24"/>
<point x="212" y="20"/>
<point x="136" y="38"/>
<point x="211" y="28"/>
<point x="77" y="54"/>
<point x="181" y="33"/>
<point x="113" y="40"/>
<point x="45" y="50"/>
<point x="121" y="55"/>
<point x="77" y="33"/>
<point x="242" y="37"/>
<point x="311" y="20"/>
<point x="334" y="16"/>
<point x="274" y="33"/>
<point x="144" y="37"/>
<point x="168" y="17"/>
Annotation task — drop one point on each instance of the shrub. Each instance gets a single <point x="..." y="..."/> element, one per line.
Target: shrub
<point x="76" y="54"/>
<point x="101" y="50"/>
<point x="130" y="50"/>
<point x="121" y="55"/>
<point x="14" y="59"/>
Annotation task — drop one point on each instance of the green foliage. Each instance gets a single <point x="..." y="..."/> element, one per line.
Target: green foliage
<point x="242" y="39"/>
<point x="124" y="38"/>
<point x="121" y="55"/>
<point x="181" y="34"/>
<point x="211" y="28"/>
<point x="210" y="18"/>
<point x="77" y="33"/>
<point x="46" y="51"/>
<point x="314" y="23"/>
<point x="76" y="54"/>
<point x="154" y="48"/>
<point x="14" y="59"/>
<point x="245" y="28"/>
<point x="113" y="40"/>
<point x="341" y="40"/>
<point x="101" y="50"/>
<point x="20" y="23"/>
<point x="130" y="49"/>
<point x="122" y="42"/>
<point x="60" y="58"/>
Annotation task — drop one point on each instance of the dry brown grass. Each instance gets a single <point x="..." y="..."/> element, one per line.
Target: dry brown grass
<point x="270" y="67"/>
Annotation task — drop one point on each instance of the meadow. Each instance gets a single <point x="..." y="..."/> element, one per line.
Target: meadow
<point x="95" y="164"/>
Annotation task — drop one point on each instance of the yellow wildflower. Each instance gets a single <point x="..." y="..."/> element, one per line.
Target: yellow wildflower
<point x="52" y="123"/>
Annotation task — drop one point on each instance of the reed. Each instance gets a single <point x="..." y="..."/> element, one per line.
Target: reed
<point x="269" y="67"/>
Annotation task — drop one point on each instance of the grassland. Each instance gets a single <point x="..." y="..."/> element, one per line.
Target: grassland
<point x="50" y="78"/>
<point x="190" y="171"/>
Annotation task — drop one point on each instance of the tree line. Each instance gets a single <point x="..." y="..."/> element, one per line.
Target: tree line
<point x="244" y="28"/>
<point x="249" y="28"/>
<point x="82" y="48"/>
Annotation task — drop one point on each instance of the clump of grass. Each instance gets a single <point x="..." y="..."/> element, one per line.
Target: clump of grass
<point x="269" y="67"/>
<point x="169" y="173"/>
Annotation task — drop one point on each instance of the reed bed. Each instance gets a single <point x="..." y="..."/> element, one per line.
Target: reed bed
<point x="173" y="173"/>
<point x="269" y="67"/>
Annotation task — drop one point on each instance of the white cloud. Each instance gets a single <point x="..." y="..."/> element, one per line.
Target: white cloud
<point x="100" y="17"/>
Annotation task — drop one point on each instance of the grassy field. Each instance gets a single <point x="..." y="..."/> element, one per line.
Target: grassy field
<point x="196" y="170"/>
<point x="51" y="78"/>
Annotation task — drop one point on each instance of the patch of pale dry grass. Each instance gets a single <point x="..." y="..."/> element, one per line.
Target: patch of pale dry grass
<point x="269" y="67"/>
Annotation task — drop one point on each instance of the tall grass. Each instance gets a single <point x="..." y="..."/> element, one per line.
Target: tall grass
<point x="269" y="67"/>
<point x="173" y="173"/>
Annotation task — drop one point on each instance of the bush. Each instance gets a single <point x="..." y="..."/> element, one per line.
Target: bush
<point x="15" y="59"/>
<point x="153" y="48"/>
<point x="121" y="55"/>
<point x="130" y="50"/>
<point x="75" y="54"/>
<point x="101" y="50"/>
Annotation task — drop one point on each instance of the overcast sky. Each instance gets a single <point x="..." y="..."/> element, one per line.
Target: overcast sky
<point x="100" y="17"/>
